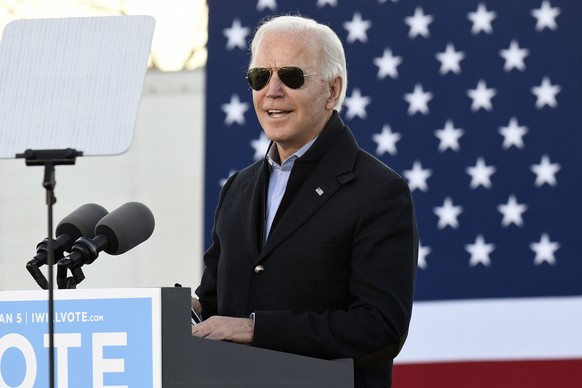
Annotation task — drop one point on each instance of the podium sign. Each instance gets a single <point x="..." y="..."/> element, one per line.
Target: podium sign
<point x="139" y="338"/>
<point x="103" y="338"/>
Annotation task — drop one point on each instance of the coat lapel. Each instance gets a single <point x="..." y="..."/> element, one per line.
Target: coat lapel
<point x="315" y="178"/>
<point x="254" y="215"/>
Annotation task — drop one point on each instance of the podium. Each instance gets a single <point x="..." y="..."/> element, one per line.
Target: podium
<point x="139" y="338"/>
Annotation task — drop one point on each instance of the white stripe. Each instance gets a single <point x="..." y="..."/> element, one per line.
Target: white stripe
<point x="494" y="329"/>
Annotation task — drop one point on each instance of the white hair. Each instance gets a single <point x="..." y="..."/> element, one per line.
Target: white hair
<point x="333" y="58"/>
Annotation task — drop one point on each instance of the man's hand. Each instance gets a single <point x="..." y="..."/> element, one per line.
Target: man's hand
<point x="196" y="307"/>
<point x="238" y="330"/>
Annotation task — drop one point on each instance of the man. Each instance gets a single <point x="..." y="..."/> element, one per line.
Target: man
<point x="314" y="248"/>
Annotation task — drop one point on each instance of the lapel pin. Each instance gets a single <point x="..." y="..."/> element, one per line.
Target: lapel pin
<point x="319" y="191"/>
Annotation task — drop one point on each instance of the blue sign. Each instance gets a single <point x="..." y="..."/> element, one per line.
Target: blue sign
<point x="104" y="342"/>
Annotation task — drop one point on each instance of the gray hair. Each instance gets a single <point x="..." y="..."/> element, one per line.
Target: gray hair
<point x="333" y="60"/>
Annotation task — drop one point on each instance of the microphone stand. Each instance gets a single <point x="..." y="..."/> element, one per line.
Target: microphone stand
<point x="49" y="159"/>
<point x="70" y="282"/>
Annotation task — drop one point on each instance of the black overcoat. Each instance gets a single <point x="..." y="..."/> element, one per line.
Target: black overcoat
<point x="335" y="278"/>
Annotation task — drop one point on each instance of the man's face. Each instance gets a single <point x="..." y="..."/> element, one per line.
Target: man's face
<point x="292" y="117"/>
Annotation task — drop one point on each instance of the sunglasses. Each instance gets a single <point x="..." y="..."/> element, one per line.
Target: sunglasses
<point x="291" y="76"/>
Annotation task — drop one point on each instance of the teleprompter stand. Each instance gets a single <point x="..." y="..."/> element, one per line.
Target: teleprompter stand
<point x="49" y="159"/>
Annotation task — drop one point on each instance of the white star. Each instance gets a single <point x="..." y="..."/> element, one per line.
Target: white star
<point x="448" y="214"/>
<point x="544" y="250"/>
<point x="449" y="136"/>
<point x="481" y="19"/>
<point x="512" y="212"/>
<point x="481" y="96"/>
<point x="357" y="28"/>
<point x="235" y="110"/>
<point x="545" y="172"/>
<point x="546" y="93"/>
<point x="387" y="64"/>
<point x="418" y="23"/>
<point x="480" y="252"/>
<point x="263" y="4"/>
<point x="417" y="176"/>
<point x="450" y="59"/>
<point x="514" y="56"/>
<point x="423" y="252"/>
<point x="222" y="181"/>
<point x="513" y="134"/>
<point x="236" y="35"/>
<point x="546" y="16"/>
<point x="386" y="141"/>
<point x="323" y="3"/>
<point x="260" y="146"/>
<point x="418" y="100"/>
<point x="480" y="174"/>
<point x="356" y="105"/>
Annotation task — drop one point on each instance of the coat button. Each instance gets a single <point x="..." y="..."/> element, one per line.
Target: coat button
<point x="259" y="269"/>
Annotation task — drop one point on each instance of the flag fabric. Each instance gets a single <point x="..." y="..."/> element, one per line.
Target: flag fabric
<point x="478" y="105"/>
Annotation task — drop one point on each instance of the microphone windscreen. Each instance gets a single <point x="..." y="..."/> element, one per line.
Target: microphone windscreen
<point x="125" y="227"/>
<point x="81" y="222"/>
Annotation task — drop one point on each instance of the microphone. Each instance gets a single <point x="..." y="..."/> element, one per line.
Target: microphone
<point x="79" y="223"/>
<point x="119" y="231"/>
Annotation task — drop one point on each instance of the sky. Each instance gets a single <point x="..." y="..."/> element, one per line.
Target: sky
<point x="181" y="25"/>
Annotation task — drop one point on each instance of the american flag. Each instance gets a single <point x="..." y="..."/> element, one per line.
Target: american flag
<point x="478" y="105"/>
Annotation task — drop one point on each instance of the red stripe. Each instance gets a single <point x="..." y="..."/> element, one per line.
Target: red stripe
<point x="498" y="374"/>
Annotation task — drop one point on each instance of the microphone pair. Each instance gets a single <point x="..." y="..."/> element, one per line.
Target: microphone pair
<point x="89" y="230"/>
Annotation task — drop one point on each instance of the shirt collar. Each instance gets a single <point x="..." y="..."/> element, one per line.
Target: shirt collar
<point x="272" y="154"/>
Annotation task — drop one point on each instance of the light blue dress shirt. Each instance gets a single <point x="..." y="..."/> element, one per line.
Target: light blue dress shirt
<point x="278" y="181"/>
